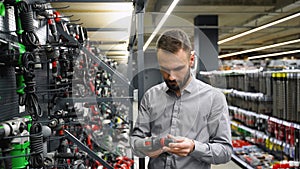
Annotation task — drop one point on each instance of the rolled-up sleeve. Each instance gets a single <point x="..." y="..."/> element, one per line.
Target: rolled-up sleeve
<point x="219" y="148"/>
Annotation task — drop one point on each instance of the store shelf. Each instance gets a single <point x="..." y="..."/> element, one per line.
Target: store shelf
<point x="263" y="116"/>
<point x="257" y="133"/>
<point x="244" y="94"/>
<point x="230" y="72"/>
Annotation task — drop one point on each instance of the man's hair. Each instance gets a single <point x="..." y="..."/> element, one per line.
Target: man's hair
<point x="173" y="40"/>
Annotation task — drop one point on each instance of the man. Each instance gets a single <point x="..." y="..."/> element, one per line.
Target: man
<point x="193" y="114"/>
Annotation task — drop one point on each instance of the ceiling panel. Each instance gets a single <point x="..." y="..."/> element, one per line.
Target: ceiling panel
<point x="108" y="24"/>
<point x="96" y="7"/>
<point x="108" y="36"/>
<point x="235" y="16"/>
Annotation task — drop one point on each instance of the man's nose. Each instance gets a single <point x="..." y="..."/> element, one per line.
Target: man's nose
<point x="172" y="76"/>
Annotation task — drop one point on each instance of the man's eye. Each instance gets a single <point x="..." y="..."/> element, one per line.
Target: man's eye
<point x="179" y="68"/>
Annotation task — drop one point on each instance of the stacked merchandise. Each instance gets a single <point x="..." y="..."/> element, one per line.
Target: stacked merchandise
<point x="252" y="155"/>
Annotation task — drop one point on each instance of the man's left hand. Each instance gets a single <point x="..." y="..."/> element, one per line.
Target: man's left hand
<point x="182" y="146"/>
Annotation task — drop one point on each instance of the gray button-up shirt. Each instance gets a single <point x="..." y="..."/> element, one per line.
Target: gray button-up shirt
<point x="200" y="113"/>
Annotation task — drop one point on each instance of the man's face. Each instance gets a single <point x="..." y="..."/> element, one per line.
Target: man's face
<point x="175" y="68"/>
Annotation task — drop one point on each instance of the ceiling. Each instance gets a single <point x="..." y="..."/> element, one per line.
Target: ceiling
<point x="109" y="22"/>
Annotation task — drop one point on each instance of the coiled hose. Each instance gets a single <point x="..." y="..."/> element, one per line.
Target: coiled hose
<point x="31" y="100"/>
<point x="36" y="146"/>
<point x="29" y="38"/>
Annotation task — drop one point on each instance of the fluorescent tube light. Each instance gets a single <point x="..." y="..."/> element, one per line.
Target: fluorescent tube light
<point x="274" y="54"/>
<point x="259" y="48"/>
<point x="161" y="22"/>
<point x="259" y="28"/>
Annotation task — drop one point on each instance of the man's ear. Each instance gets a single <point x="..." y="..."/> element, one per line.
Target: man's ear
<point x="192" y="59"/>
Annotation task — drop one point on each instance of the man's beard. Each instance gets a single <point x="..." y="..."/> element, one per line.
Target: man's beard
<point x="176" y="86"/>
<point x="172" y="85"/>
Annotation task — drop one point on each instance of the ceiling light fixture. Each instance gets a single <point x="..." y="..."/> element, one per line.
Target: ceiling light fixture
<point x="259" y="28"/>
<point x="259" y="48"/>
<point x="161" y="22"/>
<point x="274" y="54"/>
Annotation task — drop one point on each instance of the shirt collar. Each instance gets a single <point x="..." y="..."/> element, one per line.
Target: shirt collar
<point x="190" y="86"/>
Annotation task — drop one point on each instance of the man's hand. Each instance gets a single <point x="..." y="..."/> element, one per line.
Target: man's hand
<point x="182" y="146"/>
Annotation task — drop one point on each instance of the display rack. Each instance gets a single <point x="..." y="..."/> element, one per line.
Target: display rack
<point x="52" y="135"/>
<point x="253" y="96"/>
